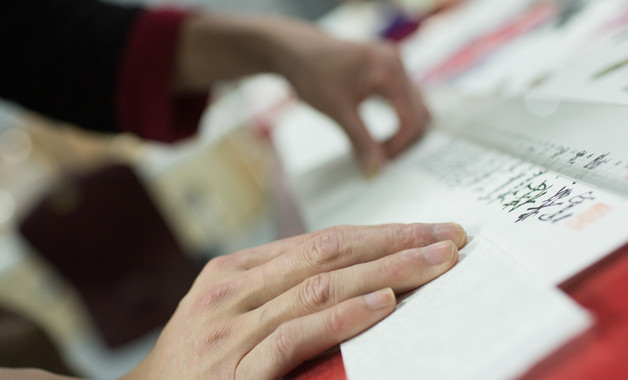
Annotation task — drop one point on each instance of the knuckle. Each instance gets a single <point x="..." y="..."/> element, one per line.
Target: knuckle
<point x="336" y="321"/>
<point x="316" y="291"/>
<point x="222" y="262"/>
<point x="392" y="269"/>
<point x="245" y="260"/>
<point x="213" y="296"/>
<point x="404" y="235"/>
<point x="414" y="233"/>
<point x="285" y="343"/>
<point x="216" y="336"/>
<point x="409" y="235"/>
<point x="326" y="248"/>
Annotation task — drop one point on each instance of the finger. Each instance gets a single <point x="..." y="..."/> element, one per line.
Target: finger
<point x="254" y="257"/>
<point x="334" y="248"/>
<point x="413" y="120"/>
<point x="396" y="86"/>
<point x="403" y="271"/>
<point x="369" y="153"/>
<point x="300" y="339"/>
<point x="223" y="269"/>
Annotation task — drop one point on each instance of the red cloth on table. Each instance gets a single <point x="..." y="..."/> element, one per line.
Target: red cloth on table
<point x="145" y="100"/>
<point x="602" y="353"/>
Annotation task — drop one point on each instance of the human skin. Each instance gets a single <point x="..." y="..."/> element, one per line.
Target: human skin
<point x="261" y="312"/>
<point x="332" y="75"/>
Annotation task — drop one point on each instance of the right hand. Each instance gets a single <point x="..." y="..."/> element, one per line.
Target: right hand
<point x="261" y="312"/>
<point x="332" y="75"/>
<point x="336" y="76"/>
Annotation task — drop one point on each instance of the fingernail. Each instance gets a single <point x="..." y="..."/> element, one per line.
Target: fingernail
<point x="380" y="299"/>
<point x="438" y="253"/>
<point x="451" y="231"/>
<point x="373" y="165"/>
<point x="372" y="171"/>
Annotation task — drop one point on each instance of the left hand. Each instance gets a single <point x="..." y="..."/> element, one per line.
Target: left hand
<point x="259" y="313"/>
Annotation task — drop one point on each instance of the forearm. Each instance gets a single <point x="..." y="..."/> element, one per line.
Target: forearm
<point x="30" y="374"/>
<point x="217" y="47"/>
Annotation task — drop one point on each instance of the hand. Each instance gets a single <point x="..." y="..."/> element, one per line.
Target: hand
<point x="332" y="75"/>
<point x="261" y="312"/>
<point x="335" y="76"/>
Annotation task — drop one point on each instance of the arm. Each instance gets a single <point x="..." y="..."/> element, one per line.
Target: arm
<point x="332" y="75"/>
<point x="113" y="68"/>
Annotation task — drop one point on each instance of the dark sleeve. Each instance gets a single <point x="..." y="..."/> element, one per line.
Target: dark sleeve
<point x="60" y="57"/>
<point x="83" y="61"/>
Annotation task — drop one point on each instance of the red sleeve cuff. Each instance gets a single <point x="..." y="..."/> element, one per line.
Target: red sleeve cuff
<point x="145" y="101"/>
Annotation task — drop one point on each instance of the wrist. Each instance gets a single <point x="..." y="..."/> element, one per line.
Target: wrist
<point x="220" y="47"/>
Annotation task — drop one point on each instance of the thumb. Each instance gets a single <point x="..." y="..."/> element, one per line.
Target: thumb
<point x="369" y="153"/>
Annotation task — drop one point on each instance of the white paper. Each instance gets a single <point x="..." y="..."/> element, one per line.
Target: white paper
<point x="542" y="54"/>
<point x="491" y="175"/>
<point x="598" y="74"/>
<point x="466" y="326"/>
<point x="548" y="220"/>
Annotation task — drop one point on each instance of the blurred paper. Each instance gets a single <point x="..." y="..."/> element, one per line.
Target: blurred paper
<point x="597" y="74"/>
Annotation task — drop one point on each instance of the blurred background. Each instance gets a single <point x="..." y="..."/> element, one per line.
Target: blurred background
<point x="149" y="215"/>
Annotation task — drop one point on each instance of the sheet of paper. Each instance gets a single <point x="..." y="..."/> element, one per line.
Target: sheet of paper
<point x="465" y="326"/>
<point x="551" y="223"/>
<point x="580" y="140"/>
<point x="598" y="74"/>
<point x="437" y="40"/>
<point x="533" y="228"/>
<point x="537" y="56"/>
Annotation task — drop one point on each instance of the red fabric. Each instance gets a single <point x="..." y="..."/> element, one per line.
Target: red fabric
<point x="600" y="354"/>
<point x="145" y="100"/>
<point x="326" y="367"/>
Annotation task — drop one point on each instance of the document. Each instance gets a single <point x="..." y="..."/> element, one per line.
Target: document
<point x="599" y="73"/>
<point x="494" y="326"/>
<point x="538" y="179"/>
<point x="537" y="183"/>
